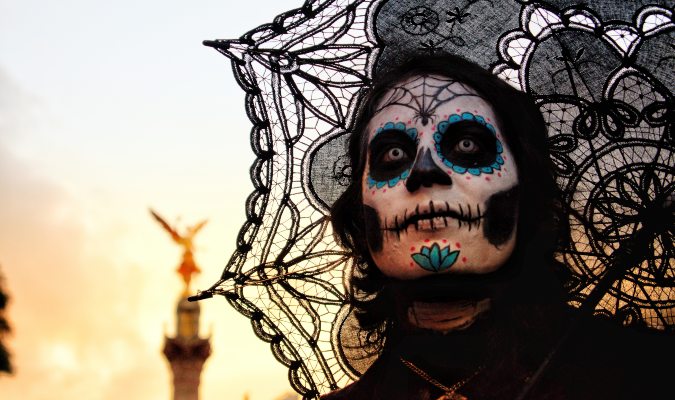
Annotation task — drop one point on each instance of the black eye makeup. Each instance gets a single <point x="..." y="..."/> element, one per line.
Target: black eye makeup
<point x="467" y="143"/>
<point x="391" y="154"/>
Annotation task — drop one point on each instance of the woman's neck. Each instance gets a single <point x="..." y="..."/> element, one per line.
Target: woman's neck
<point x="447" y="316"/>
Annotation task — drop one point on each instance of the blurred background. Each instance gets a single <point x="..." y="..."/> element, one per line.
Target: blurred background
<point x="108" y="108"/>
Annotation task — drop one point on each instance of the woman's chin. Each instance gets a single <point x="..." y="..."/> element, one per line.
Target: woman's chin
<point x="434" y="257"/>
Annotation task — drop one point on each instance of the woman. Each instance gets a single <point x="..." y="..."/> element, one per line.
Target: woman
<point x="451" y="217"/>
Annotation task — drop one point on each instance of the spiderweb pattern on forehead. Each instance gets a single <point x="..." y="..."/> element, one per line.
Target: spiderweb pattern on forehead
<point x="602" y="78"/>
<point x="424" y="94"/>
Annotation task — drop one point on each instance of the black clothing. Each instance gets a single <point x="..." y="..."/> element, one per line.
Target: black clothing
<point x="598" y="361"/>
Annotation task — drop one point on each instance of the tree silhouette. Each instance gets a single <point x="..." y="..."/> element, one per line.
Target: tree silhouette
<point x="5" y="365"/>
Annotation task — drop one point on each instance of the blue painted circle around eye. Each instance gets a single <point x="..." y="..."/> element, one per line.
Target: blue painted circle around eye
<point x="454" y="118"/>
<point x="441" y="128"/>
<point x="458" y="169"/>
<point x="412" y="133"/>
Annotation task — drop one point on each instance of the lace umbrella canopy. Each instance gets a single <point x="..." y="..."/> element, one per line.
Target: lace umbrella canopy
<point x="602" y="73"/>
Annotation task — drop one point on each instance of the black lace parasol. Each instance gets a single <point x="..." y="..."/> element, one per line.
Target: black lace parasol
<point x="602" y="74"/>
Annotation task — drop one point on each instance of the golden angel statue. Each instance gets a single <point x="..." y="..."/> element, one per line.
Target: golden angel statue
<point x="187" y="266"/>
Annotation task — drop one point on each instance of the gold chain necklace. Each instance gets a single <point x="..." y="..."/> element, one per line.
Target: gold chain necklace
<point x="450" y="392"/>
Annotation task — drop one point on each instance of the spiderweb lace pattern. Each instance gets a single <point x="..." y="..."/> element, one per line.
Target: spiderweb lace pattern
<point x="602" y="74"/>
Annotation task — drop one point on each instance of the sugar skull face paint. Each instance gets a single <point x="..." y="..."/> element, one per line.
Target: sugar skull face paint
<point x="440" y="188"/>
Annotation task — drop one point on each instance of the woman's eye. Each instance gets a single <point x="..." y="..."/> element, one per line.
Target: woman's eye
<point x="466" y="146"/>
<point x="394" y="154"/>
<point x="391" y="153"/>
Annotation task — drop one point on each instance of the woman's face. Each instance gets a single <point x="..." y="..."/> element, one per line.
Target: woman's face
<point x="440" y="187"/>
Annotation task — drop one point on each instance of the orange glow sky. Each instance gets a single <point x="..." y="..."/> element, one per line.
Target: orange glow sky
<point x="106" y="109"/>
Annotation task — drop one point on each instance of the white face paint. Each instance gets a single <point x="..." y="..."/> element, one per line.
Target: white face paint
<point x="440" y="184"/>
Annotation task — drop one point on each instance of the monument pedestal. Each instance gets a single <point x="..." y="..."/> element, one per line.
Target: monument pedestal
<point x="186" y="352"/>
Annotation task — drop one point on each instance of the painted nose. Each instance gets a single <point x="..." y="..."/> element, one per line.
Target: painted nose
<point x="425" y="172"/>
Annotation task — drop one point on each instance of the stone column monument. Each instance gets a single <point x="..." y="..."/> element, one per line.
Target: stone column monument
<point x="186" y="351"/>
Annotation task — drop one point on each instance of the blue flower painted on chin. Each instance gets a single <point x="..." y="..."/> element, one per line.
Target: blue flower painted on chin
<point x="467" y="116"/>
<point x="412" y="133"/>
<point x="435" y="258"/>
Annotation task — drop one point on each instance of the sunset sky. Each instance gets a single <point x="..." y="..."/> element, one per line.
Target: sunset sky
<point x="108" y="108"/>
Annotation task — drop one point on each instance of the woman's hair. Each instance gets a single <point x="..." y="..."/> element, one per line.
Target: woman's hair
<point x="524" y="130"/>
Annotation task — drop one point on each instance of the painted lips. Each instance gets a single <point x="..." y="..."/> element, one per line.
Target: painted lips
<point x="435" y="217"/>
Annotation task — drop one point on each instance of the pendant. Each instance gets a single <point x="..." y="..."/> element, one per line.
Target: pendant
<point x="452" y="396"/>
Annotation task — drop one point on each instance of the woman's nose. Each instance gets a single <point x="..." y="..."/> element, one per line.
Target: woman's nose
<point x="425" y="172"/>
